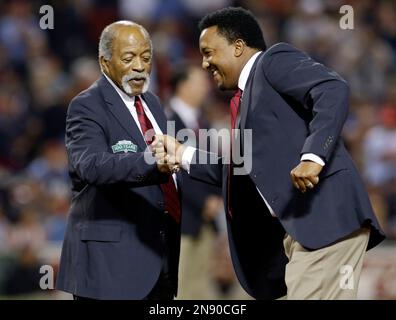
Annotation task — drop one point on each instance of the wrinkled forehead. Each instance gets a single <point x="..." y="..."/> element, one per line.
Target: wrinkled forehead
<point x="132" y="37"/>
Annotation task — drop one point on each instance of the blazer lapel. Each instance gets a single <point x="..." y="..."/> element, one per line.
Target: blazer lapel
<point x="121" y="112"/>
<point x="246" y="98"/>
<point x="156" y="110"/>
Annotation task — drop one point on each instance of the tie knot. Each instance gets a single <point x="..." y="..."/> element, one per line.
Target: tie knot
<point x="238" y="93"/>
<point x="138" y="105"/>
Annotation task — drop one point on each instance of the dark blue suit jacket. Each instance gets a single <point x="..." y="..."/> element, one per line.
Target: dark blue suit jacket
<point x="113" y="248"/>
<point x="293" y="105"/>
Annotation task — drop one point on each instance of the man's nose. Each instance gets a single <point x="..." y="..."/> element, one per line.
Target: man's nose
<point x="138" y="65"/>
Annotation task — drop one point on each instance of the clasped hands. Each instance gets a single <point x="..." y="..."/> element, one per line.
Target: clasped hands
<point x="168" y="153"/>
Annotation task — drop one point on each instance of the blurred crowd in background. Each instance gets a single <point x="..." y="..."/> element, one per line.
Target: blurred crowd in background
<point x="41" y="70"/>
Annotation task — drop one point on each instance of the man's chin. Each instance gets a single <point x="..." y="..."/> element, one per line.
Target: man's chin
<point x="221" y="86"/>
<point x="137" y="91"/>
<point x="226" y="87"/>
<point x="134" y="91"/>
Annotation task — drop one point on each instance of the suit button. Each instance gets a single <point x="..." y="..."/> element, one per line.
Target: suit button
<point x="161" y="204"/>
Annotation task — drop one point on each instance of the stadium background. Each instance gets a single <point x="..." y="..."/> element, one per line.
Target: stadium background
<point x="41" y="70"/>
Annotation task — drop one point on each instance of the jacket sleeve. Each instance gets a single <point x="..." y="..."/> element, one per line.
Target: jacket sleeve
<point x="207" y="167"/>
<point x="323" y="92"/>
<point x="90" y="158"/>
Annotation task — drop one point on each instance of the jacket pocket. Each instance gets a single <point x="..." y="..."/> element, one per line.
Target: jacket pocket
<point x="97" y="232"/>
<point x="331" y="172"/>
<point x="338" y="163"/>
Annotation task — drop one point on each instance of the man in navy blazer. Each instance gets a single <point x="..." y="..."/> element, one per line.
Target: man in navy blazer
<point x="299" y="218"/>
<point x="123" y="234"/>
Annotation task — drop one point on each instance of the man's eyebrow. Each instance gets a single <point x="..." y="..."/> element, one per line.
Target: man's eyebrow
<point x="130" y="51"/>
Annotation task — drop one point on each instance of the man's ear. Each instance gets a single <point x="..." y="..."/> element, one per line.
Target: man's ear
<point x="104" y="64"/>
<point x="239" y="45"/>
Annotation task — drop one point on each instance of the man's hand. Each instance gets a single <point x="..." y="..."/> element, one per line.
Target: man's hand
<point x="212" y="207"/>
<point x="306" y="175"/>
<point x="161" y="157"/>
<point x="173" y="149"/>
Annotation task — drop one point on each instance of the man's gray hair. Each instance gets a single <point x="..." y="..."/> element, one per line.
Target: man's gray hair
<point x="108" y="34"/>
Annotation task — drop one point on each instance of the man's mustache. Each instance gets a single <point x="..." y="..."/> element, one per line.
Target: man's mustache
<point x="136" y="76"/>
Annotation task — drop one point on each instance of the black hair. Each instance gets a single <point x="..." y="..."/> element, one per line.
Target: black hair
<point x="235" y="23"/>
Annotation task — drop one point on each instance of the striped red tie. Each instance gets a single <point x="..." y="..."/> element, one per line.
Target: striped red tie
<point x="172" y="203"/>
<point x="234" y="106"/>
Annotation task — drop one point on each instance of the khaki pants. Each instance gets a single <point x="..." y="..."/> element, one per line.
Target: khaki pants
<point x="195" y="276"/>
<point x="329" y="273"/>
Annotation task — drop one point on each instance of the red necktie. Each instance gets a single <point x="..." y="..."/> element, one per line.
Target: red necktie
<point x="234" y="106"/>
<point x="172" y="203"/>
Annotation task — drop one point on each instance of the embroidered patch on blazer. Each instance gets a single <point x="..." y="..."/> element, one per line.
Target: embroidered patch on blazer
<point x="124" y="146"/>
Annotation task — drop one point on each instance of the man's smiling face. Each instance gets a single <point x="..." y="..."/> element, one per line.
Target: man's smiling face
<point x="218" y="57"/>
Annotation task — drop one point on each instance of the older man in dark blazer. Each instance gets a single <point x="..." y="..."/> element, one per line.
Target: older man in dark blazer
<point x="123" y="234"/>
<point x="299" y="218"/>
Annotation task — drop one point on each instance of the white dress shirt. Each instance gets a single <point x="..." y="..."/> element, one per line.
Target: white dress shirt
<point x="130" y="104"/>
<point x="243" y="77"/>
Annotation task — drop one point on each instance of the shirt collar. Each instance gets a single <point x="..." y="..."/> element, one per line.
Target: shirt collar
<point x="243" y="77"/>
